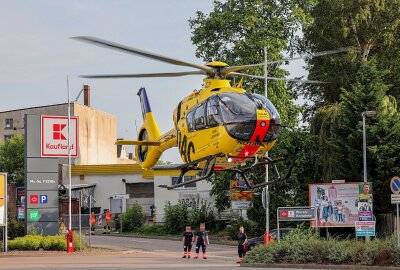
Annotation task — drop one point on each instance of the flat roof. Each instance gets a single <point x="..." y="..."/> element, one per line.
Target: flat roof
<point x="38" y="107"/>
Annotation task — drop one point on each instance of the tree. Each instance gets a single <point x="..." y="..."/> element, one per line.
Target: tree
<point x="237" y="32"/>
<point x="370" y="27"/>
<point x="12" y="159"/>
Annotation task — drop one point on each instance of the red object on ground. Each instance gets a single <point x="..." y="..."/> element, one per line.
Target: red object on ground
<point x="70" y="241"/>
<point x="270" y="239"/>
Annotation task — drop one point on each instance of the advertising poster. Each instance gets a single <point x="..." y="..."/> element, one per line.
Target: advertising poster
<point x="365" y="212"/>
<point x="2" y="200"/>
<point x="336" y="204"/>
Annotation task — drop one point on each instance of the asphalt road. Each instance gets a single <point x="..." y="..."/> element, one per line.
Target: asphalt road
<point x="128" y="253"/>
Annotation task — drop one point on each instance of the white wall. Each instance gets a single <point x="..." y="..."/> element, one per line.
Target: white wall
<point x="163" y="195"/>
<point x="107" y="186"/>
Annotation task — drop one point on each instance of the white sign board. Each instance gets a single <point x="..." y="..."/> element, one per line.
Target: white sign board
<point x="241" y="205"/>
<point x="54" y="136"/>
<point x="121" y="196"/>
<point x="395" y="198"/>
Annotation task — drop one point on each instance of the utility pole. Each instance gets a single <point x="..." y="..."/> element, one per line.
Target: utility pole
<point x="266" y="166"/>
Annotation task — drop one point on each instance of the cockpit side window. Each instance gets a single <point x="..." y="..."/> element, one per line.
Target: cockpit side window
<point x="199" y="117"/>
<point x="213" y="116"/>
<point x="189" y="121"/>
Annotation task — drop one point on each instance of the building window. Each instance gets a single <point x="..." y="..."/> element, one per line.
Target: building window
<point x="82" y="178"/>
<point x="185" y="179"/>
<point x="7" y="137"/>
<point x="9" y="123"/>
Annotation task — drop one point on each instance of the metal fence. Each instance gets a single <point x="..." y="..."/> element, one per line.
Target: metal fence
<point x="100" y="221"/>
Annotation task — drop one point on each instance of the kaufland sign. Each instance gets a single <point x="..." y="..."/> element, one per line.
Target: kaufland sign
<point x="54" y="136"/>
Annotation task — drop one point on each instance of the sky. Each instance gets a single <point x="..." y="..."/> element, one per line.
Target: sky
<point x="37" y="55"/>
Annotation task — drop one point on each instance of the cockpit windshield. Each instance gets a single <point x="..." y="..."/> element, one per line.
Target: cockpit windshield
<point x="236" y="108"/>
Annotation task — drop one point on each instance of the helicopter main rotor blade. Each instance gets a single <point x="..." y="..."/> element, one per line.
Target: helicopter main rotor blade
<point x="276" y="78"/>
<point x="131" y="50"/>
<point x="227" y="70"/>
<point x="318" y="54"/>
<point x="145" y="75"/>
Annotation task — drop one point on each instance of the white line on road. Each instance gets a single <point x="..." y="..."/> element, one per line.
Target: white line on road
<point x="160" y="250"/>
<point x="140" y="241"/>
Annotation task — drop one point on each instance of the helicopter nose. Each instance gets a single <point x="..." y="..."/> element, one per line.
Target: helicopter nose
<point x="261" y="128"/>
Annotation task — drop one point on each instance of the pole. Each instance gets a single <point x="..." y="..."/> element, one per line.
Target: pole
<point x="5" y="232"/>
<point x="80" y="220"/>
<point x="266" y="166"/>
<point x="90" y="214"/>
<point x="69" y="162"/>
<point x="121" y="216"/>
<point x="398" y="227"/>
<point x="364" y="147"/>
<point x="277" y="224"/>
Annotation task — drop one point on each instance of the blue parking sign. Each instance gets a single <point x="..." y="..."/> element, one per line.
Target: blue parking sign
<point x="43" y="198"/>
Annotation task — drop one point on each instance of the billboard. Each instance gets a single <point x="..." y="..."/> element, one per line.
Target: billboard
<point x="54" y="136"/>
<point x="341" y="205"/>
<point x="3" y="203"/>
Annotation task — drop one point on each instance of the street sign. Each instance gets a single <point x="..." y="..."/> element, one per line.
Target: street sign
<point x="365" y="228"/>
<point x="296" y="213"/>
<point x="54" y="136"/>
<point x="241" y="205"/>
<point x="241" y="195"/>
<point x="239" y="184"/>
<point x="121" y="196"/>
<point x="89" y="202"/>
<point x="395" y="198"/>
<point x="265" y="197"/>
<point x="395" y="185"/>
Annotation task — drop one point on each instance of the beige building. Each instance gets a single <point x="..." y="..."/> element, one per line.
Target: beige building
<point x="97" y="129"/>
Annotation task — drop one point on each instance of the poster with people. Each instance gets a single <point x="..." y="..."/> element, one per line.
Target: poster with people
<point x="365" y="212"/>
<point x="336" y="204"/>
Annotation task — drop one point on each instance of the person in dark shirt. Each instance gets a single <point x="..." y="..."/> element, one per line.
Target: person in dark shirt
<point x="187" y="242"/>
<point x="242" y="241"/>
<point x="201" y="241"/>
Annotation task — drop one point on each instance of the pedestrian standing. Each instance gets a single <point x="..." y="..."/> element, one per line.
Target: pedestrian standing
<point x="242" y="242"/>
<point x="201" y="241"/>
<point x="92" y="221"/>
<point x="187" y="242"/>
<point x="108" y="221"/>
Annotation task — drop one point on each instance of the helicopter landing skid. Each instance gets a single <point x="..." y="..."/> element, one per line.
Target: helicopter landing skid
<point x="268" y="160"/>
<point x="206" y="172"/>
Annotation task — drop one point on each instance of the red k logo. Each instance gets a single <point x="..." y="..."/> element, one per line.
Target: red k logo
<point x="58" y="132"/>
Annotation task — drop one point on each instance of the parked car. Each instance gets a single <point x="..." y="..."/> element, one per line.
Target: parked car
<point x="253" y="242"/>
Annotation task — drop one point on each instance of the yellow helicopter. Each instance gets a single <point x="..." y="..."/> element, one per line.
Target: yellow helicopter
<point x="220" y="127"/>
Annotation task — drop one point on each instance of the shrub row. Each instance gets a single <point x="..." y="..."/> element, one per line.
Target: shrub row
<point x="36" y="242"/>
<point x="307" y="247"/>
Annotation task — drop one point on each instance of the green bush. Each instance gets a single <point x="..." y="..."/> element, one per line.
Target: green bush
<point x="36" y="242"/>
<point x="133" y="218"/>
<point x="154" y="229"/>
<point x="305" y="246"/>
<point x="202" y="213"/>
<point x="175" y="217"/>
<point x="251" y="228"/>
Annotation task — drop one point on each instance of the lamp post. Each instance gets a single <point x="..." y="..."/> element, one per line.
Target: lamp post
<point x="364" y="114"/>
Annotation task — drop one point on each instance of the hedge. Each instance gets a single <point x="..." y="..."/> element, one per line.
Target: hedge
<point x="307" y="247"/>
<point x="36" y="242"/>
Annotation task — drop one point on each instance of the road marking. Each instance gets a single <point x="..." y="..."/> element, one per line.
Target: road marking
<point x="140" y="241"/>
<point x="160" y="250"/>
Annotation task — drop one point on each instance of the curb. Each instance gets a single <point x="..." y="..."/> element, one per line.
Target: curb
<point x="318" y="266"/>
